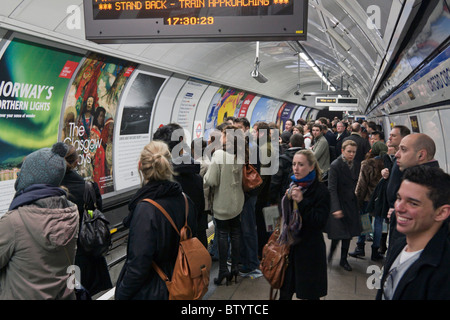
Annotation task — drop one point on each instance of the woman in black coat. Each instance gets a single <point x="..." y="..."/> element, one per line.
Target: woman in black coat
<point x="94" y="270"/>
<point x="151" y="236"/>
<point x="345" y="221"/>
<point x="306" y="275"/>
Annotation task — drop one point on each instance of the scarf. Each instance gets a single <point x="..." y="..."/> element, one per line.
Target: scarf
<point x="34" y="193"/>
<point x="291" y="217"/>
<point x="349" y="163"/>
<point x="306" y="181"/>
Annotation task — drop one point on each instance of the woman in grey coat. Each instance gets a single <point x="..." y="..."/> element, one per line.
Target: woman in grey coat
<point x="344" y="221"/>
<point x="38" y="235"/>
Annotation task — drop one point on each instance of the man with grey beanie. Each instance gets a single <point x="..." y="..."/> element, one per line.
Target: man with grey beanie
<point x="38" y="234"/>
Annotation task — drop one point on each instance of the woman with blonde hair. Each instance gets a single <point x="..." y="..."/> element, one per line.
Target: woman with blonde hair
<point x="305" y="210"/>
<point x="151" y="237"/>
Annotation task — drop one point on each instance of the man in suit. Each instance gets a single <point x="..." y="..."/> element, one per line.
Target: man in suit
<point x="363" y="144"/>
<point x="341" y="134"/>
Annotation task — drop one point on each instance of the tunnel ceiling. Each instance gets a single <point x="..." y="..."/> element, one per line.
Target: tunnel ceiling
<point x="372" y="31"/>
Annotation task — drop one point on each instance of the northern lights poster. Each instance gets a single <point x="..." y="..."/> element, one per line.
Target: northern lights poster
<point x="33" y="82"/>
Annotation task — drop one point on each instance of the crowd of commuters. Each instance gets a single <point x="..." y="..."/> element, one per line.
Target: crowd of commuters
<point x="326" y="176"/>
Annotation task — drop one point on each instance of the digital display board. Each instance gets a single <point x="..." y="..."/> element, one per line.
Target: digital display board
<point x="115" y="21"/>
<point x="345" y="102"/>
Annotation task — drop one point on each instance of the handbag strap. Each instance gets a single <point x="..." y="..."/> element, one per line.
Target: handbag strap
<point x="158" y="270"/>
<point x="166" y="214"/>
<point x="89" y="195"/>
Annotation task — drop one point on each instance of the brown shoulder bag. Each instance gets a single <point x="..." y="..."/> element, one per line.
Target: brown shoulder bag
<point x="274" y="262"/>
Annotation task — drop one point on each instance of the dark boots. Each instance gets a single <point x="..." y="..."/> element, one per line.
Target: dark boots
<point x="359" y="251"/>
<point x="376" y="255"/>
<point x="222" y="246"/>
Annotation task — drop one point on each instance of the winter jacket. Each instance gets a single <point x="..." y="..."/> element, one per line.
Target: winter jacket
<point x="152" y="238"/>
<point x="428" y="278"/>
<point x="369" y="176"/>
<point x="187" y="174"/>
<point x="225" y="175"/>
<point x="322" y="152"/>
<point x="37" y="245"/>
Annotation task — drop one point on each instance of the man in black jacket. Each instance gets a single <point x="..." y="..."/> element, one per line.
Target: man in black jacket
<point x="419" y="265"/>
<point x="363" y="144"/>
<point x="188" y="172"/>
<point x="281" y="180"/>
<point x="341" y="134"/>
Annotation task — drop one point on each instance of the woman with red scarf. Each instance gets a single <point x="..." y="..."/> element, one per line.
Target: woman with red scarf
<point x="305" y="210"/>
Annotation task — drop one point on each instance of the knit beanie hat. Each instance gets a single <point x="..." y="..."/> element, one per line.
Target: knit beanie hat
<point x="44" y="166"/>
<point x="379" y="148"/>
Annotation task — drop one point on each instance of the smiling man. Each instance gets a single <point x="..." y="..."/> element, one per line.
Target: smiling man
<point x="416" y="149"/>
<point x="419" y="266"/>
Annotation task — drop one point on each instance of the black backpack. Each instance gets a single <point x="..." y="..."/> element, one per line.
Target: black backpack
<point x="94" y="236"/>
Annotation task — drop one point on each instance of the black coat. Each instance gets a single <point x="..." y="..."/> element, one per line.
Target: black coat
<point x="94" y="270"/>
<point x="341" y="184"/>
<point x="280" y="181"/>
<point x="152" y="238"/>
<point x="306" y="274"/>
<point x="429" y="277"/>
<point x="187" y="174"/>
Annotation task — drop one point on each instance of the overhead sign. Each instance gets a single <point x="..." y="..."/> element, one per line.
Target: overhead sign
<point x="113" y="21"/>
<point x="343" y="109"/>
<point x="336" y="102"/>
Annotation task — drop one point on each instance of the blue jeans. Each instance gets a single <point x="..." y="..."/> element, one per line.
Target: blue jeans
<point x="249" y="236"/>
<point x="377" y="232"/>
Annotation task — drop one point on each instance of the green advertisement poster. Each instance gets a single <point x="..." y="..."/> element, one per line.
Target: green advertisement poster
<point x="33" y="82"/>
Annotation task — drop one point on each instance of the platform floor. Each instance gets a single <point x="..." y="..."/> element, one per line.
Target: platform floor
<point x="342" y="284"/>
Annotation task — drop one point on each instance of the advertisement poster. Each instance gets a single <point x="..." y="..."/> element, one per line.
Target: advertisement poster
<point x="134" y="115"/>
<point x="187" y="102"/>
<point x="89" y="115"/>
<point x="264" y="110"/>
<point x="284" y="114"/>
<point x="30" y="104"/>
<point x="414" y="124"/>
<point x="229" y="103"/>
<point x="298" y="113"/>
<point x="213" y="110"/>
<point x="242" y="108"/>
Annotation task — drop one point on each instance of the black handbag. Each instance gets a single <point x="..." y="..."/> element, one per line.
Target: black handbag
<point x="95" y="236"/>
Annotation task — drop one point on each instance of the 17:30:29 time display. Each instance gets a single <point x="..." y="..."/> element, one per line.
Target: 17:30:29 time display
<point x="190" y="21"/>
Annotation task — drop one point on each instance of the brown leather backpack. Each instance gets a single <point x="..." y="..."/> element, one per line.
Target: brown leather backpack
<point x="190" y="278"/>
